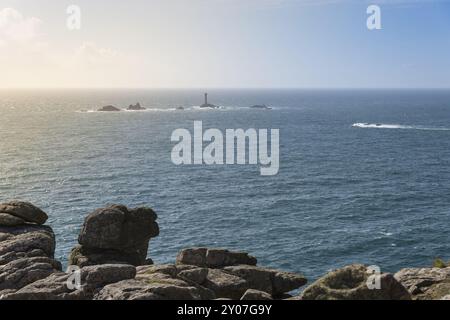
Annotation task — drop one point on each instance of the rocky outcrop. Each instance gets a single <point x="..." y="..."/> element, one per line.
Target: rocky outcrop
<point x="230" y="274"/>
<point x="110" y="262"/>
<point x="8" y="220"/>
<point x="135" y="107"/>
<point x="274" y="282"/>
<point x="261" y="106"/>
<point x="155" y="283"/>
<point x="26" y="248"/>
<point x="425" y="283"/>
<point x="204" y="278"/>
<point x="56" y="286"/>
<point x="18" y="212"/>
<point x="351" y="283"/>
<point x="214" y="258"/>
<point x="109" y="109"/>
<point x="115" y="235"/>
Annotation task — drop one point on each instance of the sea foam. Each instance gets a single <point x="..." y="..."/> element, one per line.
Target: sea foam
<point x="397" y="126"/>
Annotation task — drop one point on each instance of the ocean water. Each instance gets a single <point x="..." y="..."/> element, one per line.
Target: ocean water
<point x="364" y="174"/>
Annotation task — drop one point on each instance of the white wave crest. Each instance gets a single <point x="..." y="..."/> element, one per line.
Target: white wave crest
<point x="397" y="126"/>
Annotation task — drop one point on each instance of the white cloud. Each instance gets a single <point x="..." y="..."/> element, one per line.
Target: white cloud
<point x="91" y="53"/>
<point x="30" y="58"/>
<point x="14" y="27"/>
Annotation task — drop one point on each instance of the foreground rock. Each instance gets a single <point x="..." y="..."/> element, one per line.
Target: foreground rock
<point x="109" y="109"/>
<point x="15" y="213"/>
<point x="230" y="274"/>
<point x="274" y="282"/>
<point x="214" y="258"/>
<point x="114" y="240"/>
<point x="56" y="286"/>
<point x="26" y="256"/>
<point x="350" y="283"/>
<point x="200" y="281"/>
<point x="8" y="220"/>
<point x="426" y="283"/>
<point x="155" y="283"/>
<point x="115" y="235"/>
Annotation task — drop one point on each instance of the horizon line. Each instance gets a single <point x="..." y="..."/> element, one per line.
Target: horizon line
<point x="224" y="88"/>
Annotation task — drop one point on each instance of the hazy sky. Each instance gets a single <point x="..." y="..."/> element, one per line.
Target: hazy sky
<point x="224" y="43"/>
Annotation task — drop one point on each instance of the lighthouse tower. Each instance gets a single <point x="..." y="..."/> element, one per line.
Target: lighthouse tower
<point x="206" y="99"/>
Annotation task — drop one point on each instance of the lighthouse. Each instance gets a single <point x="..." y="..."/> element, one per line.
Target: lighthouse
<point x="207" y="105"/>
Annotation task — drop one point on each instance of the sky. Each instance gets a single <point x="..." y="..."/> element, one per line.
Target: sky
<point x="224" y="44"/>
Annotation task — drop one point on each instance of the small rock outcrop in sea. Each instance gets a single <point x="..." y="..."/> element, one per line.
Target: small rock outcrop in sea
<point x="135" y="107"/>
<point x="115" y="235"/>
<point x="426" y="283"/>
<point x="351" y="283"/>
<point x="109" y="109"/>
<point x="261" y="106"/>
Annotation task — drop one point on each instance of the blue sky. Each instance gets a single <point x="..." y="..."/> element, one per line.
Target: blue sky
<point x="225" y="43"/>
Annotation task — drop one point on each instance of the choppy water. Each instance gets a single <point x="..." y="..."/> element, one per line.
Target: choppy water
<point x="364" y="175"/>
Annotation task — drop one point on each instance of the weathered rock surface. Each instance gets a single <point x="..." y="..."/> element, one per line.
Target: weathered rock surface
<point x="225" y="285"/>
<point x="256" y="295"/>
<point x="8" y="220"/>
<point x="155" y="283"/>
<point x="55" y="286"/>
<point x="19" y="273"/>
<point x="114" y="240"/>
<point x="214" y="258"/>
<point x="271" y="281"/>
<point x="197" y="275"/>
<point x="23" y="210"/>
<point x="350" y="283"/>
<point x="26" y="239"/>
<point x="82" y="256"/>
<point x="425" y="283"/>
<point x="26" y="256"/>
<point x="230" y="274"/>
<point x="115" y="235"/>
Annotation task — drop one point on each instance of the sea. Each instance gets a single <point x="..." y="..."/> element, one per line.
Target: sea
<point x="364" y="174"/>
